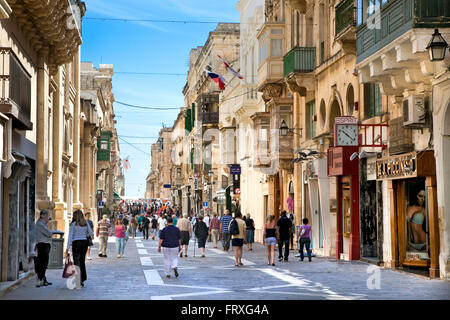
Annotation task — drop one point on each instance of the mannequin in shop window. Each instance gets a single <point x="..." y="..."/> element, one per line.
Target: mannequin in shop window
<point x="416" y="223"/>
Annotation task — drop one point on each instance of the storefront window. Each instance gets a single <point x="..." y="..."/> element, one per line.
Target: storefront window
<point x="416" y="216"/>
<point x="346" y="209"/>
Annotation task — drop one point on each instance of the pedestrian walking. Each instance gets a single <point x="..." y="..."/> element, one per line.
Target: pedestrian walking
<point x="291" y="216"/>
<point x="239" y="238"/>
<point x="133" y="225"/>
<point x="120" y="238"/>
<point x="145" y="226"/>
<point x="103" y="232"/>
<point x="43" y="244"/>
<point x="175" y="220"/>
<point x="185" y="233"/>
<point x="270" y="236"/>
<point x="284" y="225"/>
<point x="305" y="239"/>
<point x="214" y="229"/>
<point x="79" y="231"/>
<point x="140" y="220"/>
<point x="225" y="231"/>
<point x="170" y="241"/>
<point x="207" y="220"/>
<point x="87" y="216"/>
<point x="250" y="226"/>
<point x="162" y="222"/>
<point x="201" y="233"/>
<point x="153" y="226"/>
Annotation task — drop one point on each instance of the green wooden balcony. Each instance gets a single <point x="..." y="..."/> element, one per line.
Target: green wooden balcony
<point x="300" y="60"/>
<point x="345" y="16"/>
<point x="397" y="18"/>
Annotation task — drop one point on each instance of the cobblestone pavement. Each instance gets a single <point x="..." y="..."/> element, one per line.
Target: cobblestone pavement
<point x="140" y="275"/>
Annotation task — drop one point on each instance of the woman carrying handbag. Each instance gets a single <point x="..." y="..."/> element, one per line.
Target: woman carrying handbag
<point x="78" y="238"/>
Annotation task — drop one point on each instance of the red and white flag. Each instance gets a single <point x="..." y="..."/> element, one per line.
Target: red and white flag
<point x="126" y="164"/>
<point x="229" y="68"/>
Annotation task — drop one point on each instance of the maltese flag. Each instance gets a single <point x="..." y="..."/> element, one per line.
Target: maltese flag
<point x="229" y="68"/>
<point x="126" y="164"/>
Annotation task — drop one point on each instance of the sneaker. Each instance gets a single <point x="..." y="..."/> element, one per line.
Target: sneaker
<point x="280" y="259"/>
<point x="309" y="260"/>
<point x="100" y="255"/>
<point x="45" y="282"/>
<point x="105" y="256"/>
<point x="39" y="283"/>
<point x="297" y="255"/>
<point x="175" y="270"/>
<point x="119" y="256"/>
<point x="89" y="258"/>
<point x="285" y="260"/>
<point x="82" y="285"/>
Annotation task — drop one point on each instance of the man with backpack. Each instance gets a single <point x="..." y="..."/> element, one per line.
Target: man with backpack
<point x="154" y="226"/>
<point x="145" y="226"/>
<point x="239" y="237"/>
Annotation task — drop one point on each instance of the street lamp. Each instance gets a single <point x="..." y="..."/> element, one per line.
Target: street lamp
<point x="284" y="129"/>
<point x="437" y="47"/>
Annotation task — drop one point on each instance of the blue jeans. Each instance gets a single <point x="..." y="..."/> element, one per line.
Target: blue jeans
<point x="307" y="243"/>
<point x="120" y="244"/>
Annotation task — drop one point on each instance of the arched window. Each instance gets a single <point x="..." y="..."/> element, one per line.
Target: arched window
<point x="350" y="100"/>
<point x="335" y="111"/>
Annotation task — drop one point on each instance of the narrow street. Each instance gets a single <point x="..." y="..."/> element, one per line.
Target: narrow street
<point x="140" y="276"/>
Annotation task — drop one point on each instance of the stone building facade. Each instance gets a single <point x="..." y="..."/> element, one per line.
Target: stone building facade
<point x="40" y="47"/>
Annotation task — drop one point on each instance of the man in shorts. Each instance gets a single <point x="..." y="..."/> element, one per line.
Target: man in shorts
<point x="185" y="233"/>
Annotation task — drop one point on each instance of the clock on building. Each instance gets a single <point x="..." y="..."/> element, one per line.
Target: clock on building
<point x="346" y="131"/>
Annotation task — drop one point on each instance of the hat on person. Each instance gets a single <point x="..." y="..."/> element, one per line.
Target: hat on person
<point x="105" y="216"/>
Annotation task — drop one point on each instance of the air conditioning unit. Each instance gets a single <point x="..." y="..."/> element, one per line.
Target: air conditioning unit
<point x="414" y="110"/>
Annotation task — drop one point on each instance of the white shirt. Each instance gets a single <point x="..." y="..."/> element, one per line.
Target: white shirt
<point x="162" y="223"/>
<point x="206" y="220"/>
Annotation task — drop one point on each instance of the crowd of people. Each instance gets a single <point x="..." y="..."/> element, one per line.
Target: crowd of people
<point x="173" y="231"/>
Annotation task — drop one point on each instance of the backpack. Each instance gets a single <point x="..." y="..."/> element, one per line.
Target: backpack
<point x="234" y="227"/>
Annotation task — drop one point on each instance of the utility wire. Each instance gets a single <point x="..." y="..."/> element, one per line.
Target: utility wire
<point x="155" y="20"/>
<point x="138" y="137"/>
<point x="141" y="107"/>
<point x="150" y="73"/>
<point x="134" y="146"/>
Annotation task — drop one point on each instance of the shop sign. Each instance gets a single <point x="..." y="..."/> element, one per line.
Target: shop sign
<point x="371" y="169"/>
<point x="398" y="167"/>
<point x="235" y="170"/>
<point x="195" y="183"/>
<point x="339" y="163"/>
<point x="167" y="186"/>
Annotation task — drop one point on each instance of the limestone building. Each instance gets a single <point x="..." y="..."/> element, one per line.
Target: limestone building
<point x="39" y="116"/>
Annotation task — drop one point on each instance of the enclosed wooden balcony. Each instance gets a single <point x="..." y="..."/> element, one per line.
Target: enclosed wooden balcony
<point x="393" y="50"/>
<point x="345" y="23"/>
<point x="298" y="67"/>
<point x="15" y="93"/>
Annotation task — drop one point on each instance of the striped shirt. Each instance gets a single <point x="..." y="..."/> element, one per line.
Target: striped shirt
<point x="103" y="228"/>
<point x="77" y="232"/>
<point x="225" y="220"/>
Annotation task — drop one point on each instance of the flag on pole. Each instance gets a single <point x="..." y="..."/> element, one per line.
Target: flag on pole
<point x="126" y="164"/>
<point x="229" y="68"/>
<point x="217" y="78"/>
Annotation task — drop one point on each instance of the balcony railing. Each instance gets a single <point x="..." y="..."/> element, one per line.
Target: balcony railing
<point x="300" y="59"/>
<point x="345" y="15"/>
<point x="209" y="117"/>
<point x="397" y="17"/>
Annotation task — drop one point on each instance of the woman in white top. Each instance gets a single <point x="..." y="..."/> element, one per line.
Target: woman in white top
<point x="78" y="238"/>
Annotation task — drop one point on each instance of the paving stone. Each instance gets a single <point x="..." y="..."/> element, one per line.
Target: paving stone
<point x="215" y="277"/>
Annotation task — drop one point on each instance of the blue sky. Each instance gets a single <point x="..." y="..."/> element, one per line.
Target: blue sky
<point x="147" y="47"/>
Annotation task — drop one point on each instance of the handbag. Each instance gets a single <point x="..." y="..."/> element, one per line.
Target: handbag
<point x="69" y="267"/>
